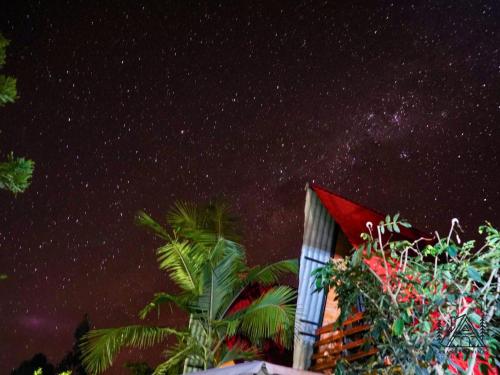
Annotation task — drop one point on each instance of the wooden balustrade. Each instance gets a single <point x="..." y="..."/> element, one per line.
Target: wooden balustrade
<point x="349" y="342"/>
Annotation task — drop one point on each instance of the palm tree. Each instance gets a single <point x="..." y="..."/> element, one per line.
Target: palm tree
<point x="203" y="258"/>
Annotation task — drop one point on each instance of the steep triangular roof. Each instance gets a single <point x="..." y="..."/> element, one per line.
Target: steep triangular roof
<point x="352" y="217"/>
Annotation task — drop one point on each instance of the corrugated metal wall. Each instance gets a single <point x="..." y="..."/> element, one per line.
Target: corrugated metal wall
<point x="316" y="248"/>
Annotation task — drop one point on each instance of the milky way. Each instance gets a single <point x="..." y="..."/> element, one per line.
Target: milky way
<point x="132" y="105"/>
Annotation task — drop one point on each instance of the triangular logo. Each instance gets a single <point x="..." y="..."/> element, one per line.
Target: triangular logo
<point x="463" y="335"/>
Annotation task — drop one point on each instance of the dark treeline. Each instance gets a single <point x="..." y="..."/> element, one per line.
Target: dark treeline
<point x="71" y="361"/>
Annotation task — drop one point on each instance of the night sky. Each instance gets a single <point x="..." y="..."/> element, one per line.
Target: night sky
<point x="128" y="105"/>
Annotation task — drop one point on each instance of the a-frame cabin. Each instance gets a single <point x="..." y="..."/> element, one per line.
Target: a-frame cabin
<point x="332" y="227"/>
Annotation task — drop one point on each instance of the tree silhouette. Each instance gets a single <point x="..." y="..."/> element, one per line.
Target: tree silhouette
<point x="72" y="360"/>
<point x="28" y="367"/>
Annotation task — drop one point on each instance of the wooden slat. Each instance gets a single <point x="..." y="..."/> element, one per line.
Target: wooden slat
<point x="341" y="334"/>
<point x="340" y="348"/>
<point x="330" y="327"/>
<point x="332" y="361"/>
<point x="325" y="329"/>
<point x="359" y="355"/>
<point x="327" y="357"/>
<point x="354" y="344"/>
<point x="335" y="337"/>
<point x="325" y="354"/>
<point x="356" y="317"/>
<point x="325" y="365"/>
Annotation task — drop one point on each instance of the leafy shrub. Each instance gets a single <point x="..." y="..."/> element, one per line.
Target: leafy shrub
<point x="413" y="293"/>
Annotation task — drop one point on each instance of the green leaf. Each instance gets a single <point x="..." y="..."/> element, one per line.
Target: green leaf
<point x="483" y="368"/>
<point x="406" y="316"/>
<point x="144" y="220"/>
<point x="475" y="318"/>
<point x="271" y="273"/>
<point x="182" y="301"/>
<point x="452" y="251"/>
<point x="15" y="174"/>
<point x="396" y="228"/>
<point x="356" y="258"/>
<point x="430" y="250"/>
<point x="183" y="262"/>
<point x="8" y="90"/>
<point x="398" y="326"/>
<point x="426" y="326"/>
<point x="369" y="249"/>
<point x="450" y="297"/>
<point x="474" y="274"/>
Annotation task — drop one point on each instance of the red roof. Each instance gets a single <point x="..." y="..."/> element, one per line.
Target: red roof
<point x="352" y="217"/>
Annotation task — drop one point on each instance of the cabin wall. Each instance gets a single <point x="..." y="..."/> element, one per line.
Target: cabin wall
<point x="316" y="250"/>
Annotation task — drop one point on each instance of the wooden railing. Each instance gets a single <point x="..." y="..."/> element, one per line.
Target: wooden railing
<point x="351" y="342"/>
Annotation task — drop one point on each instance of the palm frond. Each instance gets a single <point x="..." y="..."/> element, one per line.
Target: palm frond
<point x="184" y="215"/>
<point x="183" y="262"/>
<point x="237" y="352"/>
<point x="270" y="316"/>
<point x="264" y="275"/>
<point x="222" y="221"/>
<point x="181" y="301"/>
<point x="215" y="288"/>
<point x="144" y="220"/>
<point x="202" y="237"/>
<point x="271" y="273"/>
<point x="227" y="248"/>
<point x="190" y="223"/>
<point x="203" y="225"/>
<point x="220" y="279"/>
<point x="176" y="357"/>
<point x="99" y="347"/>
<point x="226" y="327"/>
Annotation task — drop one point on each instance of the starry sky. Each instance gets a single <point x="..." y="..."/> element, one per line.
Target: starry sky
<point x="128" y="105"/>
